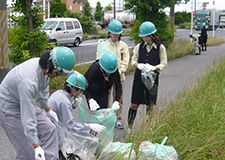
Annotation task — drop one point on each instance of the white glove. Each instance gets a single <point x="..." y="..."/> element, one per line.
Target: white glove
<point x="97" y="127"/>
<point x="140" y="66"/>
<point x="52" y="115"/>
<point x="120" y="72"/>
<point x="116" y="105"/>
<point x="39" y="153"/>
<point x="93" y="104"/>
<point x="148" y="67"/>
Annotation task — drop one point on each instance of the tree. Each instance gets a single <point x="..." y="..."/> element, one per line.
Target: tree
<point x="109" y="7"/>
<point x="57" y="8"/>
<point x="152" y="10"/>
<point x="98" y="12"/>
<point x="26" y="39"/>
<point x="87" y="9"/>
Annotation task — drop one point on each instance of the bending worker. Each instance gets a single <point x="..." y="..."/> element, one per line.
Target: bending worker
<point x="101" y="75"/>
<point x="120" y="49"/>
<point x="197" y="42"/>
<point x="62" y="104"/>
<point x="23" y="121"/>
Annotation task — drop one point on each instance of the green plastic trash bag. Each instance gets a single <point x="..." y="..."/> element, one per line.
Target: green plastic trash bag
<point x="106" y="117"/>
<point x="118" y="150"/>
<point x="72" y="143"/>
<point x="149" y="151"/>
<point x="102" y="48"/>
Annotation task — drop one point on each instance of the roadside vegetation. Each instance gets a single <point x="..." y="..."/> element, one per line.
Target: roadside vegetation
<point x="194" y="122"/>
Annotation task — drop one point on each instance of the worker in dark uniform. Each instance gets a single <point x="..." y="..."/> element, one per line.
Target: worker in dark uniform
<point x="204" y="37"/>
<point x="149" y="55"/>
<point x="101" y="75"/>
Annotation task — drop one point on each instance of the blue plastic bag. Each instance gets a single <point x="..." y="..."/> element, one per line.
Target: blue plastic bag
<point x="117" y="150"/>
<point x="106" y="117"/>
<point x="149" y="151"/>
<point x="102" y="48"/>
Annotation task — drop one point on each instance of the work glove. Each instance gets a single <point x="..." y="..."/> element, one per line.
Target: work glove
<point x="52" y="115"/>
<point x="140" y="66"/>
<point x="39" y="153"/>
<point x="120" y="72"/>
<point x="93" y="104"/>
<point x="148" y="67"/>
<point x="97" y="127"/>
<point x="116" y="105"/>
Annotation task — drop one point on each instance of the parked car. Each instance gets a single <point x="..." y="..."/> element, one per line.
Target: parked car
<point x="64" y="30"/>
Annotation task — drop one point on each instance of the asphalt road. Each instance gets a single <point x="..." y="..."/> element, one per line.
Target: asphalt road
<point x="177" y="77"/>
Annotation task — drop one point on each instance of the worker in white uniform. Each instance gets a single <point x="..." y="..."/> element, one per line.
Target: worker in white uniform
<point x="120" y="49"/>
<point x="61" y="103"/>
<point x="24" y="94"/>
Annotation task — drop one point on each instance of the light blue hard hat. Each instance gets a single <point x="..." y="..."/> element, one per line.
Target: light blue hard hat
<point x="190" y="35"/>
<point x="115" y="27"/>
<point x="77" y="80"/>
<point x="147" y="28"/>
<point x="108" y="62"/>
<point x="63" y="60"/>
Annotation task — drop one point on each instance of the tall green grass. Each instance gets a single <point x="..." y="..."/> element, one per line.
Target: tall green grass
<point x="194" y="123"/>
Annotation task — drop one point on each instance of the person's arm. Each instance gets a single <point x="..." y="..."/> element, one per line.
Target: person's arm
<point x="134" y="59"/>
<point x="163" y="59"/>
<point x="118" y="86"/>
<point x="126" y="57"/>
<point x="28" y="91"/>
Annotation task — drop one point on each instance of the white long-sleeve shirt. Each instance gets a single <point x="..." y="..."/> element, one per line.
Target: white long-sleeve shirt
<point x="20" y="90"/>
<point x="60" y="102"/>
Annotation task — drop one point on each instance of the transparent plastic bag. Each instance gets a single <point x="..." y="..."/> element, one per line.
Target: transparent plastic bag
<point x="102" y="48"/>
<point x="84" y="146"/>
<point x="118" y="150"/>
<point x="149" y="151"/>
<point x="106" y="117"/>
<point x="148" y="78"/>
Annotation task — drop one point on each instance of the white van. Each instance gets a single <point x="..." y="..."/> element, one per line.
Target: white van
<point x="64" y="30"/>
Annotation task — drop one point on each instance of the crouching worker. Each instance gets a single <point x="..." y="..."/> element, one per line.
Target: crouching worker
<point x="61" y="103"/>
<point x="101" y="75"/>
<point x="197" y="42"/>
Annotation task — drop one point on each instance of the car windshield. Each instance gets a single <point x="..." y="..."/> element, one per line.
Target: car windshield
<point x="49" y="25"/>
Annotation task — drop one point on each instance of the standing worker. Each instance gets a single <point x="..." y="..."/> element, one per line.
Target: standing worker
<point x="21" y="90"/>
<point x="120" y="49"/>
<point x="61" y="103"/>
<point x="101" y="75"/>
<point x="149" y="55"/>
<point x="197" y="42"/>
<point x="204" y="36"/>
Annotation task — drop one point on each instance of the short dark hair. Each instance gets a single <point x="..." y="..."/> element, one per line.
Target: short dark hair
<point x="44" y="61"/>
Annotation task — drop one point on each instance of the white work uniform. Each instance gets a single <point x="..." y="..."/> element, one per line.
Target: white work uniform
<point x="24" y="123"/>
<point x="60" y="102"/>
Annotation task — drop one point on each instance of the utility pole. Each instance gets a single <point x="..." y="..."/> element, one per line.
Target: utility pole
<point x="4" y="58"/>
<point x="114" y="8"/>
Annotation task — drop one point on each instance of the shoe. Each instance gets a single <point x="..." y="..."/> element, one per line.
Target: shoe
<point x="119" y="125"/>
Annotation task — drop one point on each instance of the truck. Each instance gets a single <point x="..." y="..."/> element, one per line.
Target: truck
<point x="206" y="16"/>
<point x="125" y="17"/>
<point x="222" y="21"/>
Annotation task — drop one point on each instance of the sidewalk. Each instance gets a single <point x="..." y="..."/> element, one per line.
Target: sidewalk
<point x="177" y="77"/>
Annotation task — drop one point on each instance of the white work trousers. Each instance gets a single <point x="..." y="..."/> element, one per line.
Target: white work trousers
<point x="47" y="134"/>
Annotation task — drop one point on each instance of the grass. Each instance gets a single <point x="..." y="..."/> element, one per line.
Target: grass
<point x="194" y="122"/>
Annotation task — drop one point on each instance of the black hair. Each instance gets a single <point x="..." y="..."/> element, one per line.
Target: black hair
<point x="119" y="38"/>
<point x="155" y="40"/>
<point x="67" y="87"/>
<point x="44" y="61"/>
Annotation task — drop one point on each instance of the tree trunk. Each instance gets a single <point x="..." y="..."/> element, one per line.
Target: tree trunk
<point x="30" y="25"/>
<point x="172" y="16"/>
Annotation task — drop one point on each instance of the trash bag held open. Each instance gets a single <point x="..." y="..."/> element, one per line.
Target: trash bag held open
<point x="106" y="117"/>
<point x="102" y="48"/>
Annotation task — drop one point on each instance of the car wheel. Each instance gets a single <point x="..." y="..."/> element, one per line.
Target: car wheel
<point x="76" y="42"/>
